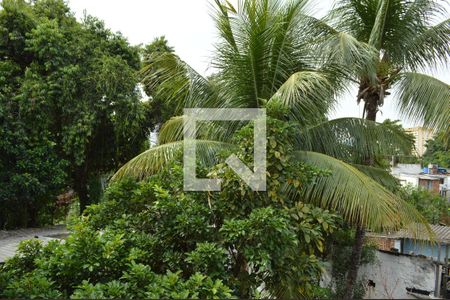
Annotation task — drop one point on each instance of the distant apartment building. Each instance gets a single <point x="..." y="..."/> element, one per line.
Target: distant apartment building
<point x="421" y="136"/>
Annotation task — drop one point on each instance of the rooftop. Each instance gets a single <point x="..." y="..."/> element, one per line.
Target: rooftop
<point x="442" y="234"/>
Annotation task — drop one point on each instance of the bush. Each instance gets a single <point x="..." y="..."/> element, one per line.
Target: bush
<point x="168" y="286"/>
<point x="432" y="206"/>
<point x="149" y="239"/>
<point x="31" y="285"/>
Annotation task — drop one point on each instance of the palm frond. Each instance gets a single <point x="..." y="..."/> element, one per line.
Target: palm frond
<point x="284" y="44"/>
<point x="223" y="23"/>
<point x="377" y="33"/>
<point x="354" y="139"/>
<point x="394" y="25"/>
<point x="173" y="130"/>
<point x="381" y="176"/>
<point x="351" y="55"/>
<point x="261" y="46"/>
<point x="356" y="196"/>
<point x="179" y="84"/>
<point x="354" y="17"/>
<point x="428" y="48"/>
<point x="307" y="94"/>
<point x="157" y="158"/>
<point x="422" y="98"/>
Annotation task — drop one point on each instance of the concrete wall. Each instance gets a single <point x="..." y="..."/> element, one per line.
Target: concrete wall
<point x="392" y="274"/>
<point x="406" y="168"/>
<point x="408" y="180"/>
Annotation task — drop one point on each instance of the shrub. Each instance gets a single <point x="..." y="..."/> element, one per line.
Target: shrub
<point x="432" y="206"/>
<point x="149" y="239"/>
<point x="31" y="285"/>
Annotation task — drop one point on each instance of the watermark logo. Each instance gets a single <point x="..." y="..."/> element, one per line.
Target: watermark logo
<point x="255" y="179"/>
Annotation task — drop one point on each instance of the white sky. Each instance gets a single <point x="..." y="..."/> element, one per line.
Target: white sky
<point x="189" y="28"/>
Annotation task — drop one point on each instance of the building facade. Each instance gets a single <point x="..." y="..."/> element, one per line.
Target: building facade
<point x="421" y="136"/>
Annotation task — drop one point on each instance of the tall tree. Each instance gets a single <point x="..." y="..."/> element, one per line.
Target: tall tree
<point x="382" y="45"/>
<point x="76" y="81"/>
<point x="31" y="174"/>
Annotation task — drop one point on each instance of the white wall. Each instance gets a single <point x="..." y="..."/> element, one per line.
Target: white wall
<point x="392" y="274"/>
<point x="408" y="180"/>
<point x="406" y="168"/>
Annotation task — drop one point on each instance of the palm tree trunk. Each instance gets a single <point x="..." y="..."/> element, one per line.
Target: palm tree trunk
<point x="352" y="272"/>
<point x="371" y="109"/>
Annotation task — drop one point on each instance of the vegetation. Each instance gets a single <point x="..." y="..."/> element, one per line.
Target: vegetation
<point x="438" y="150"/>
<point x="339" y="249"/>
<point x="431" y="205"/>
<point x="381" y="45"/>
<point x="69" y="107"/>
<point x="146" y="240"/>
<point x="70" y="112"/>
<point x="274" y="54"/>
<point x="386" y="44"/>
<point x="158" y="111"/>
<point x="294" y="91"/>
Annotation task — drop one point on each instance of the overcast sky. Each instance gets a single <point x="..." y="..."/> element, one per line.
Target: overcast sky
<point x="189" y="28"/>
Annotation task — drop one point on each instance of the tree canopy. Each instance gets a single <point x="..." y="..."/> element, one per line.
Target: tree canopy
<point x="70" y="88"/>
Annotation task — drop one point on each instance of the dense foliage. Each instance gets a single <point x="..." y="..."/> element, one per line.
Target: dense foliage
<point x="68" y="106"/>
<point x="431" y="205"/>
<point x="260" y="65"/>
<point x="150" y="239"/>
<point x="31" y="173"/>
<point x="438" y="150"/>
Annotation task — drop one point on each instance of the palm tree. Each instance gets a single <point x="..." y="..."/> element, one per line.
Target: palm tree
<point x="383" y="45"/>
<point x="265" y="58"/>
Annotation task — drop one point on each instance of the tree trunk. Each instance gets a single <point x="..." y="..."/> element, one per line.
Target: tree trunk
<point x="371" y="109"/>
<point x="241" y="272"/>
<point x="81" y="188"/>
<point x="352" y="272"/>
<point x="83" y="196"/>
<point x="32" y="216"/>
